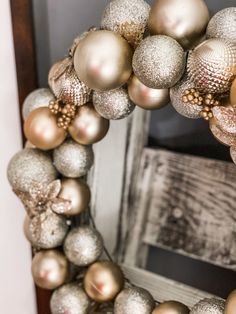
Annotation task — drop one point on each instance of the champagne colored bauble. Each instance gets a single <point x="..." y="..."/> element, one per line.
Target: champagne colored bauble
<point x="114" y="104"/>
<point x="225" y="117"/>
<point x="70" y="299"/>
<point x="37" y="99"/>
<point x="88" y="127"/>
<point x="230" y="306"/>
<point x="76" y="191"/>
<point x="145" y="97"/>
<point x="233" y="153"/>
<point x="159" y="62"/>
<point x="103" y="60"/>
<point x="134" y="300"/>
<point x="212" y="65"/>
<point x="171" y="307"/>
<point x="223" y="137"/>
<point x="66" y="85"/>
<point x="50" y="269"/>
<point x="41" y="129"/>
<point x="72" y="159"/>
<point x="83" y="246"/>
<point x="128" y="18"/>
<point x="183" y="20"/>
<point x="29" y="166"/>
<point x="209" y="306"/>
<point x="223" y="25"/>
<point x="103" y="281"/>
<point x="233" y="93"/>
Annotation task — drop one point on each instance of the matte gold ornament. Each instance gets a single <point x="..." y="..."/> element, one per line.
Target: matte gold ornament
<point x="183" y="20"/>
<point x="49" y="269"/>
<point x="172" y="307"/>
<point x="103" y="60"/>
<point x="225" y="138"/>
<point x="128" y="18"/>
<point x="88" y="127"/>
<point x="159" y="62"/>
<point x="209" y="306"/>
<point x="103" y="281"/>
<point x="41" y="129"/>
<point x="225" y="117"/>
<point x="233" y="93"/>
<point x="230" y="306"/>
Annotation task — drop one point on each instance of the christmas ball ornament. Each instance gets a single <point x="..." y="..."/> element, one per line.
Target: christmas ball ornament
<point x="223" y="25"/>
<point x="233" y="93"/>
<point x="114" y="104"/>
<point x="70" y="299"/>
<point x="83" y="246"/>
<point x="233" y="153"/>
<point x="209" y="306"/>
<point x="159" y="62"/>
<point x="78" y="193"/>
<point x="41" y="129"/>
<point x="28" y="166"/>
<point x="171" y="307"/>
<point x="183" y="20"/>
<point x="72" y="159"/>
<point x="88" y="127"/>
<point x="103" y="281"/>
<point x="225" y="117"/>
<point x="145" y="97"/>
<point x="127" y="18"/>
<point x="134" y="300"/>
<point x="224" y="138"/>
<point x="37" y="99"/>
<point x="66" y="85"/>
<point x="49" y="269"/>
<point x="230" y="306"/>
<point x="103" y="60"/>
<point x="212" y="65"/>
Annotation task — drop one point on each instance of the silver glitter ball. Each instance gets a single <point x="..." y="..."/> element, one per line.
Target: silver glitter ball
<point x="159" y="62"/>
<point x="28" y="166"/>
<point x="114" y="104"/>
<point x="128" y="18"/>
<point x="70" y="299"/>
<point x="37" y="99"/>
<point x="223" y="25"/>
<point x="233" y="153"/>
<point x="209" y="306"/>
<point x="134" y="300"/>
<point x="72" y="159"/>
<point x="83" y="246"/>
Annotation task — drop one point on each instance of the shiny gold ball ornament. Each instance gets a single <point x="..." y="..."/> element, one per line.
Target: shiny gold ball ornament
<point x="223" y="25"/>
<point x="103" y="60"/>
<point x="209" y="306"/>
<point x="145" y="97"/>
<point x="134" y="300"/>
<point x="183" y="20"/>
<point x="41" y="129"/>
<point x="128" y="18"/>
<point x="171" y="307"/>
<point x="114" y="104"/>
<point x="49" y="269"/>
<point x="159" y="62"/>
<point x="103" y="281"/>
<point x="88" y="127"/>
<point x="230" y="306"/>
<point x="83" y="245"/>
<point x="233" y="93"/>
<point x="212" y="65"/>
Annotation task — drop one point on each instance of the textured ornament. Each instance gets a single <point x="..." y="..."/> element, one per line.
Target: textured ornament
<point x="134" y="300"/>
<point x="171" y="307"/>
<point x="113" y="105"/>
<point x="233" y="153"/>
<point x="29" y="166"/>
<point x="64" y="112"/>
<point x="72" y="159"/>
<point x="128" y="18"/>
<point x="70" y="299"/>
<point x="230" y="306"/>
<point x="223" y="25"/>
<point x="103" y="60"/>
<point x="233" y="93"/>
<point x="225" y="118"/>
<point x="83" y="246"/>
<point x="66" y="85"/>
<point x="209" y="306"/>
<point x="212" y="65"/>
<point x="159" y="62"/>
<point x="225" y="138"/>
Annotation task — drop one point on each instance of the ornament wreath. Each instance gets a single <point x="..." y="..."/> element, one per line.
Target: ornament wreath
<point x="140" y="56"/>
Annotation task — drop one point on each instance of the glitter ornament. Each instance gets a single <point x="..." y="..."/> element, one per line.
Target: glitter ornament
<point x="225" y="117"/>
<point x="212" y="66"/>
<point x="113" y="105"/>
<point x="225" y="138"/>
<point x="28" y="166"/>
<point x="72" y="159"/>
<point x="230" y="306"/>
<point x="128" y="18"/>
<point x="233" y="93"/>
<point x="134" y="300"/>
<point x="159" y="62"/>
<point x="209" y="306"/>
<point x="83" y="246"/>
<point x="70" y="299"/>
<point x="223" y="25"/>
<point x="171" y="307"/>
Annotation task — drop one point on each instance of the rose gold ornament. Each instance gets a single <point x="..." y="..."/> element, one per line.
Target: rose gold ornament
<point x="230" y="306"/>
<point x="171" y="307"/>
<point x="233" y="93"/>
